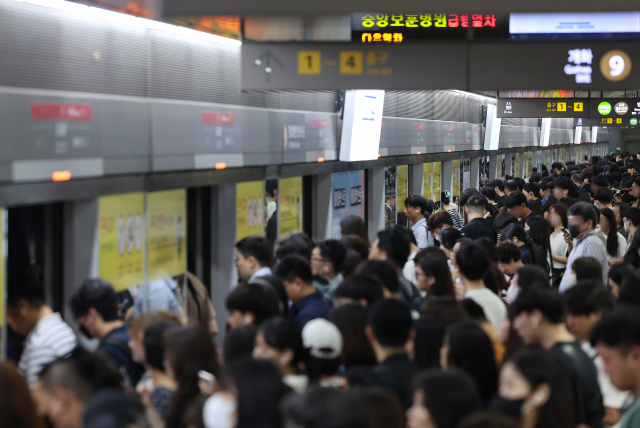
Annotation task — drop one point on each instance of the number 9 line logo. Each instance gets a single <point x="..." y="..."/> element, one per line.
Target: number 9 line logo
<point x="615" y="65"/>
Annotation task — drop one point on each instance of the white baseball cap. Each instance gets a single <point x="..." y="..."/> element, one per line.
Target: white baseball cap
<point x="322" y="338"/>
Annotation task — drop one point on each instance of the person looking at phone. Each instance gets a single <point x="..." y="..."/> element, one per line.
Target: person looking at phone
<point x="559" y="247"/>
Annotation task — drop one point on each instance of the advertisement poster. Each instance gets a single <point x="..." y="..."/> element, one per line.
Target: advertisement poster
<point x="499" y="166"/>
<point x="120" y="240"/>
<point x="466" y="173"/>
<point x="290" y="204"/>
<point x="530" y="164"/>
<point x="339" y="202"/>
<point x="249" y="209"/>
<point x="437" y="168"/>
<point x="390" y="178"/>
<point x="402" y="182"/>
<point x="514" y="170"/>
<point x="456" y="178"/>
<point x="357" y="195"/>
<point x="166" y="234"/>
<point x="517" y="164"/>
<point x="428" y="180"/>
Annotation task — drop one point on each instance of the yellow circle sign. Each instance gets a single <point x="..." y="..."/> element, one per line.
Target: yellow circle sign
<point x="615" y="65"/>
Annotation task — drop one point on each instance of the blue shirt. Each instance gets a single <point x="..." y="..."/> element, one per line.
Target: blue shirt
<point x="525" y="255"/>
<point x="309" y="308"/>
<point x="159" y="295"/>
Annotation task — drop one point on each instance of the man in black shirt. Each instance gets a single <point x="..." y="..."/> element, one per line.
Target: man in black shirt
<point x="390" y="329"/>
<point x="517" y="205"/>
<point x="477" y="226"/>
<point x="539" y="315"/>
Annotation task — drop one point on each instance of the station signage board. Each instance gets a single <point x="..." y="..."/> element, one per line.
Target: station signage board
<point x="542" y="107"/>
<point x="611" y="122"/>
<point x="615" y="108"/>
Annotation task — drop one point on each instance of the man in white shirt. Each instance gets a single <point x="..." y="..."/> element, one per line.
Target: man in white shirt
<point x="48" y="336"/>
<point x="252" y="258"/>
<point x="417" y="209"/>
<point x="473" y="264"/>
<point x="585" y="303"/>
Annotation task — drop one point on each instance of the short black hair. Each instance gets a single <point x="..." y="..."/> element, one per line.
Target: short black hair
<point x="604" y="196"/>
<point x="22" y="285"/>
<point x="577" y="178"/>
<point x="391" y="322"/>
<point x="503" y="220"/>
<point x="473" y="263"/>
<point x="270" y="186"/>
<point x="546" y="300"/>
<point x="511" y="186"/>
<point x="284" y="333"/>
<point x="395" y="244"/>
<point x="556" y="165"/>
<point x="417" y="201"/>
<point x="489" y="247"/>
<point x="477" y="203"/>
<point x="601" y="181"/>
<point x="588" y="297"/>
<point x="258" y="299"/>
<point x="519" y="182"/>
<point x="515" y="199"/>
<point x="255" y="246"/>
<point x="97" y="294"/>
<point x="383" y="271"/>
<point x="360" y="286"/>
<point x="620" y="271"/>
<point x="334" y="251"/>
<point x="630" y="290"/>
<point x="293" y="243"/>
<point x="496" y="183"/>
<point x="239" y="342"/>
<point x="618" y="329"/>
<point x="533" y="188"/>
<point x="449" y="236"/>
<point x="292" y="267"/>
<point x="633" y="215"/>
<point x="564" y="183"/>
<point x="584" y="210"/>
<point x="489" y="193"/>
<point x="153" y="343"/>
<point x="468" y="194"/>
<point x="508" y="251"/>
<point x="530" y="276"/>
<point x="587" y="268"/>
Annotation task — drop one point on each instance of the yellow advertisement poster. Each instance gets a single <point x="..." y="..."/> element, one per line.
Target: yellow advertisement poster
<point x="166" y="234"/>
<point x="437" y="168"/>
<point x="499" y="166"/>
<point x="249" y="209"/>
<point x="517" y="165"/>
<point x="530" y="164"/>
<point x="290" y="208"/>
<point x="402" y="182"/>
<point x="428" y="180"/>
<point x="120" y="241"/>
<point x="456" y="177"/>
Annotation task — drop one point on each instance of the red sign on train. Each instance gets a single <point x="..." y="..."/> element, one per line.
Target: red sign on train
<point x="77" y="112"/>
<point x="321" y="123"/>
<point x="418" y="126"/>
<point x="209" y="118"/>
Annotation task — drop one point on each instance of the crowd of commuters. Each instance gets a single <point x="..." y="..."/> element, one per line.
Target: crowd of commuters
<point x="517" y="307"/>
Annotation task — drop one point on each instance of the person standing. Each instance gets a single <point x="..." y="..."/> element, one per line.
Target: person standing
<point x="326" y="260"/>
<point x="582" y="220"/>
<point x="477" y="226"/>
<point x="559" y="246"/>
<point x="417" y="210"/>
<point x="445" y="204"/>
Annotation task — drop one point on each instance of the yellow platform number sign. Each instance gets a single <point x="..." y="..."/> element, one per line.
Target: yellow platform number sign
<point x="350" y="62"/>
<point x="309" y="62"/>
<point x="121" y="226"/>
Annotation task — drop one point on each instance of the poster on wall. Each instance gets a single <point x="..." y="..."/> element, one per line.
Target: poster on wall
<point x="437" y="168"/>
<point x="428" y="180"/>
<point x="466" y="174"/>
<point x="120" y="239"/>
<point x="456" y="178"/>
<point x="517" y="165"/>
<point x="339" y="201"/>
<point x="357" y="194"/>
<point x="166" y="234"/>
<point x="290" y="212"/>
<point x="514" y="170"/>
<point x="390" y="179"/>
<point x="499" y="166"/>
<point x="249" y="209"/>
<point x="402" y="193"/>
<point x="530" y="164"/>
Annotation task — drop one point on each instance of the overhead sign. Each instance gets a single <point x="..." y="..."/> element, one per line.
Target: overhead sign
<point x="541" y="107"/>
<point x="361" y="125"/>
<point x="334" y="66"/>
<point x="611" y="122"/>
<point x="416" y="21"/>
<point x="615" y="108"/>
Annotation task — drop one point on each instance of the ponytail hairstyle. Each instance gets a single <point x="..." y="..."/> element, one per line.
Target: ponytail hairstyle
<point x="514" y="230"/>
<point x="612" y="236"/>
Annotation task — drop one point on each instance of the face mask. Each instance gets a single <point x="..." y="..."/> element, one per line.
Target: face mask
<point x="574" y="231"/>
<point x="438" y="237"/>
<point x="511" y="408"/>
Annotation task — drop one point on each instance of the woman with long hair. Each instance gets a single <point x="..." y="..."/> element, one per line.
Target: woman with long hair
<point x="187" y="352"/>
<point x="354" y="225"/>
<point x="434" y="277"/>
<point x="616" y="244"/>
<point x="17" y="408"/>
<point x="467" y="347"/>
<point x="558" y="221"/>
<point x="514" y="232"/>
<point x="539" y="233"/>
<point x="632" y="255"/>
